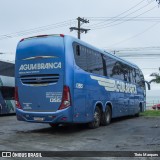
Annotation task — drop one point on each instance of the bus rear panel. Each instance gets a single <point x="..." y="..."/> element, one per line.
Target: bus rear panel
<point x="41" y="93"/>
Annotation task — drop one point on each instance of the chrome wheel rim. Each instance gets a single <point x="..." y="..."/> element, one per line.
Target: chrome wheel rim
<point x="108" y="116"/>
<point x="96" y="118"/>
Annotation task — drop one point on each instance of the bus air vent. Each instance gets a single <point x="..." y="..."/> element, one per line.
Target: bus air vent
<point x="41" y="79"/>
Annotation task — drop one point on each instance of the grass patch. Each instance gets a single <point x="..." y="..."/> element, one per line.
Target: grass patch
<point x="151" y="113"/>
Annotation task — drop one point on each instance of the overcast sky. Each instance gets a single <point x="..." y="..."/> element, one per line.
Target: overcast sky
<point x="21" y="15"/>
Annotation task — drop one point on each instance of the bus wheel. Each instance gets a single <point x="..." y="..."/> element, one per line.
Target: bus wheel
<point x="138" y="114"/>
<point x="54" y="125"/>
<point x="106" y="116"/>
<point x="97" y="119"/>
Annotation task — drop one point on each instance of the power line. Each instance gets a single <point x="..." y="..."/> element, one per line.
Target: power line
<point x="37" y="29"/>
<point x="118" y="14"/>
<point x="118" y="17"/>
<point x="139" y="19"/>
<point x="136" y="48"/>
<point x="149" y="68"/>
<point x="48" y="27"/>
<point x="140" y="55"/>
<point x="136" y="55"/>
<point x="147" y="29"/>
<point x="115" y="24"/>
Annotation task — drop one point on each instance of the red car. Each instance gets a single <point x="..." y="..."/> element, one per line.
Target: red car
<point x="156" y="106"/>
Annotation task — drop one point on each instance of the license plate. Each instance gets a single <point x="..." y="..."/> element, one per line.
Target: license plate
<point x="39" y="118"/>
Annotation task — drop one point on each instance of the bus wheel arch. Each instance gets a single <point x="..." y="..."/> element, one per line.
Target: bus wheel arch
<point x="140" y="107"/>
<point x="106" y="115"/>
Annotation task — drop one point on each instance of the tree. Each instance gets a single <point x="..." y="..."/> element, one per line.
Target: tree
<point x="156" y="78"/>
<point x="158" y="1"/>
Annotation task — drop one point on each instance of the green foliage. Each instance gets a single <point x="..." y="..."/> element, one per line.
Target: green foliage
<point x="151" y="113"/>
<point x="156" y="78"/>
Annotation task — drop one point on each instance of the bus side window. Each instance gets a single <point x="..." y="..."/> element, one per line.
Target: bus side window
<point x="142" y="82"/>
<point x="119" y="71"/>
<point x="80" y="56"/>
<point x="104" y="57"/>
<point x="94" y="62"/>
<point x="140" y="78"/>
<point x="109" y="65"/>
<point x="129" y="75"/>
<point x="137" y="76"/>
<point x="133" y="76"/>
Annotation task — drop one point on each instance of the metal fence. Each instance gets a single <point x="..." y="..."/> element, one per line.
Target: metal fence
<point x="149" y="104"/>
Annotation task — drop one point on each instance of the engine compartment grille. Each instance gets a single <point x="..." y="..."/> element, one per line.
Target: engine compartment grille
<point x="41" y="79"/>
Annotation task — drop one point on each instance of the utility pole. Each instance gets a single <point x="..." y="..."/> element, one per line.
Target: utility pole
<point x="79" y="29"/>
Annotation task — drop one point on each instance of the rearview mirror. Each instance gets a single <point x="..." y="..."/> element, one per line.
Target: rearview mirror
<point x="148" y="84"/>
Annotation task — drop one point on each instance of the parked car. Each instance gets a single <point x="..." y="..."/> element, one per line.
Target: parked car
<point x="156" y="106"/>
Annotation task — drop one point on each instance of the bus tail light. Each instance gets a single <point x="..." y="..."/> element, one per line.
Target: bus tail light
<point x="62" y="35"/>
<point x="66" y="98"/>
<point x="17" y="99"/>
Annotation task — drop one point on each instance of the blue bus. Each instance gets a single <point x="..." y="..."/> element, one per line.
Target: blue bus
<point x="7" y="87"/>
<point x="60" y="79"/>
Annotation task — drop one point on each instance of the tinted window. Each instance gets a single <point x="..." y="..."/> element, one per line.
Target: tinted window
<point x="7" y="92"/>
<point x="133" y="75"/>
<point x="97" y="63"/>
<point x="88" y="59"/>
<point x="94" y="62"/>
<point x="6" y="69"/>
<point x="129" y="73"/>
<point x="109" y="65"/>
<point x="137" y="76"/>
<point x="140" y="78"/>
<point x="119" y="70"/>
<point x="114" y="68"/>
<point x="142" y="83"/>
<point x="80" y="56"/>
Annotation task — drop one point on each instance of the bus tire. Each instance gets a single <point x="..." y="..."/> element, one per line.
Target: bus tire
<point x="138" y="114"/>
<point x="97" y="118"/>
<point x="106" y="116"/>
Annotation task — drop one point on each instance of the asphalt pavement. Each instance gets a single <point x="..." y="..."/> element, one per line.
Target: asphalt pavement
<point x="124" y="134"/>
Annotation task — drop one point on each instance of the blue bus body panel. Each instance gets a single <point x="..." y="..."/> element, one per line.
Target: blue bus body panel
<point x="40" y="73"/>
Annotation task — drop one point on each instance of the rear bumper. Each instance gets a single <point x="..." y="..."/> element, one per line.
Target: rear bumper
<point x="60" y="116"/>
